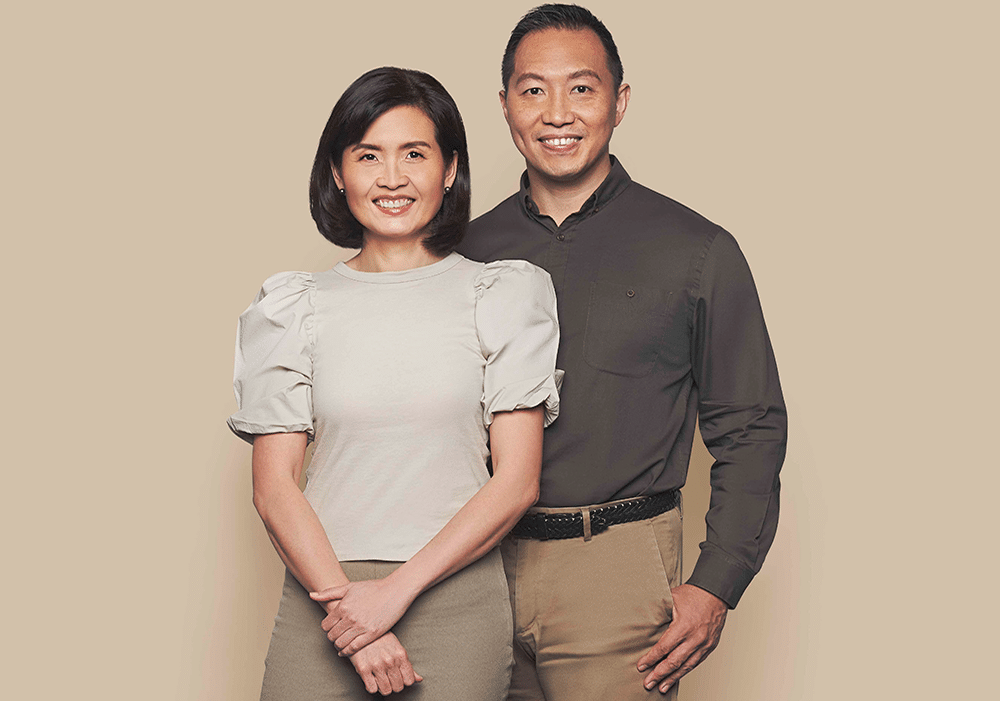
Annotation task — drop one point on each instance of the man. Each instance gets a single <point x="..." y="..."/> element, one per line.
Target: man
<point x="661" y="325"/>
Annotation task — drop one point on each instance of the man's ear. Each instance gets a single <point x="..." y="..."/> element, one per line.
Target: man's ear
<point x="621" y="104"/>
<point x="336" y="177"/>
<point x="503" y="105"/>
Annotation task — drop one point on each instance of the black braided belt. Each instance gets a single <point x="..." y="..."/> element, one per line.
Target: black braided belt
<point x="558" y="526"/>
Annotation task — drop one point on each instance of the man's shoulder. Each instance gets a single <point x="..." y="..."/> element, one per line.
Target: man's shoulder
<point x="502" y="212"/>
<point x="484" y="239"/>
<point x="646" y="204"/>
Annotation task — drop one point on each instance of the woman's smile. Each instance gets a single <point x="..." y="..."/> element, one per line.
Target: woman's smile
<point x="395" y="206"/>
<point x="394" y="179"/>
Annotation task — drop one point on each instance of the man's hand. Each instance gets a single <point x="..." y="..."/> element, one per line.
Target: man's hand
<point x="692" y="634"/>
<point x="360" y="612"/>
<point x="384" y="666"/>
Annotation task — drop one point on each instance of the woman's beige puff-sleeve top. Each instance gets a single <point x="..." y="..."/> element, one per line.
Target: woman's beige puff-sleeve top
<point x="397" y="377"/>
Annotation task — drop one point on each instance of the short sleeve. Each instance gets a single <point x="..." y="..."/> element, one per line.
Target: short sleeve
<point x="519" y="334"/>
<point x="273" y="374"/>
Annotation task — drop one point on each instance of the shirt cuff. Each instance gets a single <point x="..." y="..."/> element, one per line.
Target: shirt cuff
<point x="719" y="575"/>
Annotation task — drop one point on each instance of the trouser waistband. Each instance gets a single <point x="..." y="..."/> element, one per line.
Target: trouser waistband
<point x="584" y="522"/>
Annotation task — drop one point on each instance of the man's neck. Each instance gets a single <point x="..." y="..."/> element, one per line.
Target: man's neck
<point x="559" y="199"/>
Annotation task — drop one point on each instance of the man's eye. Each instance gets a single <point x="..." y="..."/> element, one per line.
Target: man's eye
<point x="533" y="91"/>
<point x="367" y="157"/>
<point x="581" y="89"/>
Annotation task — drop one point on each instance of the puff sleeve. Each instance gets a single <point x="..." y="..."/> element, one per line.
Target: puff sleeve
<point x="519" y="334"/>
<point x="273" y="374"/>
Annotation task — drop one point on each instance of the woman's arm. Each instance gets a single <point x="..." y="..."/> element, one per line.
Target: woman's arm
<point x="368" y="609"/>
<point x="302" y="543"/>
<point x="291" y="523"/>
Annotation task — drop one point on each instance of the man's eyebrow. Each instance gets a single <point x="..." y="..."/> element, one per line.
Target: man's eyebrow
<point x="582" y="73"/>
<point x="529" y="76"/>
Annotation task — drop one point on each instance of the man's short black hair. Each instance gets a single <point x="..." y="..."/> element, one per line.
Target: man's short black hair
<point x="559" y="16"/>
<point x="368" y="98"/>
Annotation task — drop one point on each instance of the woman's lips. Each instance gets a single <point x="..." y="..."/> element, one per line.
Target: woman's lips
<point x="394" y="205"/>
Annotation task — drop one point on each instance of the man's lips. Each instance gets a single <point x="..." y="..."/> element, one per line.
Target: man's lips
<point x="393" y="205"/>
<point x="559" y="143"/>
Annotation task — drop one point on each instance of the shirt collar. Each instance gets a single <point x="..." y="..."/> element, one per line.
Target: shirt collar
<point x="615" y="182"/>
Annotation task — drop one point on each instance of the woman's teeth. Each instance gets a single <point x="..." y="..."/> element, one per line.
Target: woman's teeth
<point x="394" y="204"/>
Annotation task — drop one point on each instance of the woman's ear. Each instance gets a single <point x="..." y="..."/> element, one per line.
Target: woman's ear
<point x="336" y="177"/>
<point x="452" y="172"/>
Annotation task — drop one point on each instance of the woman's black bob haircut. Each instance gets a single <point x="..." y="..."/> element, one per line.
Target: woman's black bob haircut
<point x="367" y="99"/>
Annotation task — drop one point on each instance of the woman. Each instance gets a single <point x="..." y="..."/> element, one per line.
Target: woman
<point x="400" y="363"/>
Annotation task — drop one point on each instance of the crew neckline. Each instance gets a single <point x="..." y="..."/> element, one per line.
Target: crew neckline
<point x="394" y="276"/>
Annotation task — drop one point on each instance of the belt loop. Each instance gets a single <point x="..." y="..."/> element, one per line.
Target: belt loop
<point x="586" y="523"/>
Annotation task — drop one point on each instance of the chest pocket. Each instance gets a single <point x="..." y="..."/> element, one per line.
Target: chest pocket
<point x="625" y="328"/>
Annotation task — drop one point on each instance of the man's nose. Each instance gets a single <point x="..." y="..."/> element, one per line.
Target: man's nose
<point x="558" y="111"/>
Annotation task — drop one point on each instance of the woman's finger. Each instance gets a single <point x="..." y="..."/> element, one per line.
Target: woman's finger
<point x="410" y="676"/>
<point x="345" y="638"/>
<point x="330" y="594"/>
<point x="382" y="679"/>
<point x="331" y="620"/>
<point x="395" y="678"/>
<point x="359" y="642"/>
<point x="338" y="629"/>
<point x="371" y="686"/>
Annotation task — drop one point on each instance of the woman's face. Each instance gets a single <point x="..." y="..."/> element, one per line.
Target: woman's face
<point x="394" y="179"/>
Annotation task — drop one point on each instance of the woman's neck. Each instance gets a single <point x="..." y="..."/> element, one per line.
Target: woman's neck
<point x="380" y="256"/>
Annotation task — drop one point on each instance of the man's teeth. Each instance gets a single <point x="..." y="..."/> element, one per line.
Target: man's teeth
<point x="562" y="141"/>
<point x="393" y="204"/>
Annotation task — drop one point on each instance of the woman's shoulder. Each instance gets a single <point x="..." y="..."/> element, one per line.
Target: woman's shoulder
<point x="516" y="276"/>
<point x="283" y="296"/>
<point x="290" y="282"/>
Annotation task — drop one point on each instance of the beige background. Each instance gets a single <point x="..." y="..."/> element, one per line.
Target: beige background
<point x="155" y="160"/>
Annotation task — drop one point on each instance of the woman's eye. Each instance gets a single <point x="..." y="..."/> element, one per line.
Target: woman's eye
<point x="367" y="157"/>
<point x="414" y="155"/>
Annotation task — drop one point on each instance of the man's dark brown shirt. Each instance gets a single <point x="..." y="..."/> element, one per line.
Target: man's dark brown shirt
<point x="660" y="325"/>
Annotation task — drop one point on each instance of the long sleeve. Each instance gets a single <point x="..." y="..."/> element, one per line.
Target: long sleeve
<point x="742" y="418"/>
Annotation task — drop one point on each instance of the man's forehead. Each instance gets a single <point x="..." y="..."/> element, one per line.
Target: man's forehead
<point x="561" y="53"/>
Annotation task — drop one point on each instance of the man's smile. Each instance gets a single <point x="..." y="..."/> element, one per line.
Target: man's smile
<point x="560" y="143"/>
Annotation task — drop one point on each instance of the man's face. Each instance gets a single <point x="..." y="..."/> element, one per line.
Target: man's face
<point x="562" y="106"/>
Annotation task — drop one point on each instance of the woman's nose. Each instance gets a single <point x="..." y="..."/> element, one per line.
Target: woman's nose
<point x="392" y="176"/>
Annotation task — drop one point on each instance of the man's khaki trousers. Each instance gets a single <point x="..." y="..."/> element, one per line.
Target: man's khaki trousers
<point x="585" y="611"/>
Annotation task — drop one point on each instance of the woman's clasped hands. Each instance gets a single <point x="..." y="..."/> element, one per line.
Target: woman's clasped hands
<point x="359" y="618"/>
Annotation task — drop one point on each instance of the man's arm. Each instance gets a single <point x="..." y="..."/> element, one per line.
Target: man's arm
<point x="743" y="423"/>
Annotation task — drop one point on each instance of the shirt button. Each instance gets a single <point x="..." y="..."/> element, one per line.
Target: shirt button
<point x="630" y="293"/>
<point x="560" y="237"/>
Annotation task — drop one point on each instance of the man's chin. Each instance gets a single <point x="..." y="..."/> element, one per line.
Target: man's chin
<point x="565" y="174"/>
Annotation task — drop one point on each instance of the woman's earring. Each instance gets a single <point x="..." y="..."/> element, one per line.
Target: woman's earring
<point x="341" y="191"/>
<point x="446" y="190"/>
